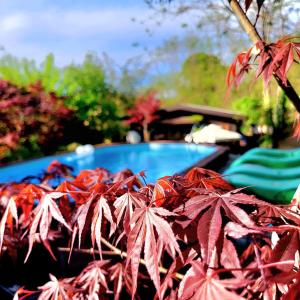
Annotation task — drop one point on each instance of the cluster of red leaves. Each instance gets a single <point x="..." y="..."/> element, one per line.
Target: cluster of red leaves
<point x="145" y="109"/>
<point x="28" y="113"/>
<point x="273" y="59"/>
<point x="184" y="237"/>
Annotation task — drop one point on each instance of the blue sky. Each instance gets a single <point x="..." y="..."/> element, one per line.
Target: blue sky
<point x="69" y="29"/>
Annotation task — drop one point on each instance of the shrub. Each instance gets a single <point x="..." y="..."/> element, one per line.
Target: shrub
<point x="186" y="237"/>
<point x="276" y="115"/>
<point x="32" y="121"/>
<point x="95" y="102"/>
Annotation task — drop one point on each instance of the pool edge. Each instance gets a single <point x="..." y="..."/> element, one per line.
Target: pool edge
<point x="213" y="162"/>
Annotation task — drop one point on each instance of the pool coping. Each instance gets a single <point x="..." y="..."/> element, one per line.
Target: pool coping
<point x="214" y="161"/>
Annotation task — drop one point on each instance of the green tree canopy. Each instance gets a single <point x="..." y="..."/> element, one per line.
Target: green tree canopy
<point x="95" y="102"/>
<point x="200" y="80"/>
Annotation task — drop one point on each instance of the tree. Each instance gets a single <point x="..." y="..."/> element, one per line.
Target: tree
<point x="199" y="80"/>
<point x="23" y="72"/>
<point x="262" y="17"/>
<point x="94" y="101"/>
<point x="144" y="112"/>
<point x="272" y="60"/>
<point x="186" y="236"/>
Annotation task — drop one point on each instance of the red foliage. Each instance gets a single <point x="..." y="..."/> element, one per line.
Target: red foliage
<point x="29" y="116"/>
<point x="273" y="59"/>
<point x="199" y="284"/>
<point x="185" y="237"/>
<point x="144" y="110"/>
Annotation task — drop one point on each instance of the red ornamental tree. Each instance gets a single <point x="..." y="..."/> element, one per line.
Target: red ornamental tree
<point x="274" y="59"/>
<point x="144" y="112"/>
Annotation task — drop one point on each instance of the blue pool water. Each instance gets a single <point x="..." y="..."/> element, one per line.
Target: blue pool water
<point x="156" y="159"/>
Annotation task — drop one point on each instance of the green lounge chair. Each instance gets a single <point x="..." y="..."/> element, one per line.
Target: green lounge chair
<point x="268" y="161"/>
<point x="280" y="153"/>
<point x="271" y="174"/>
<point x="265" y="172"/>
<point x="276" y="191"/>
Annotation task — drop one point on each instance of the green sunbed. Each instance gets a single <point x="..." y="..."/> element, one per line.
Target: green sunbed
<point x="268" y="161"/>
<point x="271" y="173"/>
<point x="280" y="153"/>
<point x="279" y="191"/>
<point x="265" y="172"/>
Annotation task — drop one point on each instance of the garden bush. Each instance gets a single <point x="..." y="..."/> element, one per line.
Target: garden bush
<point x="32" y="121"/>
<point x="277" y="115"/>
<point x="184" y="237"/>
<point x="95" y="102"/>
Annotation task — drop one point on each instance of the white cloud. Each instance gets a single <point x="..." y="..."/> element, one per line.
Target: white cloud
<point x="14" y="22"/>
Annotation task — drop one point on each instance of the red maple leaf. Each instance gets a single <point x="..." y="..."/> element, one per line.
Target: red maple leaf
<point x="124" y="207"/>
<point x="273" y="59"/>
<point x="294" y="290"/>
<point x="23" y="293"/>
<point x="74" y="189"/>
<point x="286" y="248"/>
<point x="101" y="209"/>
<point x="89" y="178"/>
<point x="268" y="212"/>
<point x="200" y="285"/>
<point x="168" y="282"/>
<point x="207" y="179"/>
<point x="92" y="280"/>
<point x="57" y="289"/>
<point x="210" y="208"/>
<point x="10" y="213"/>
<point x="164" y="191"/>
<point x="43" y="215"/>
<point x="121" y="278"/>
<point x="155" y="234"/>
<point x="56" y="170"/>
<point x="238" y="68"/>
<point x="91" y="213"/>
<point x="229" y="258"/>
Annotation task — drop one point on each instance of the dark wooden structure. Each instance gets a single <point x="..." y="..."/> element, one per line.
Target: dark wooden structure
<point x="209" y="114"/>
<point x="175" y="122"/>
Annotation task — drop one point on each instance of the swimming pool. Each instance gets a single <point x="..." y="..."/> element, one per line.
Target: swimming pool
<point x="156" y="159"/>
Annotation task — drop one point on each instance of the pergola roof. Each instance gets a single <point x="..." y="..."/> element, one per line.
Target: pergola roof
<point x="208" y="112"/>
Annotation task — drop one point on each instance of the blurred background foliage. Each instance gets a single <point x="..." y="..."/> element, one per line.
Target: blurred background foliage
<point x="33" y="122"/>
<point x="99" y="95"/>
<point x="97" y="108"/>
<point x="95" y="102"/>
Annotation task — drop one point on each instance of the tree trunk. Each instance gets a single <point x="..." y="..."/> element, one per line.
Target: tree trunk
<point x="146" y="133"/>
<point x="255" y="37"/>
